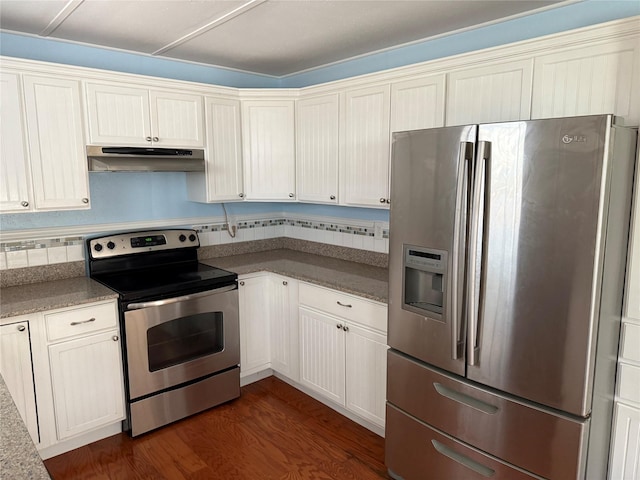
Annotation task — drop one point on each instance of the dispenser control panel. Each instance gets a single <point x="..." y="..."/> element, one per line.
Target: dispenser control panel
<point x="425" y="258"/>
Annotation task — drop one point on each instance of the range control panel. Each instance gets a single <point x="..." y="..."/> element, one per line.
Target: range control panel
<point x="140" y="242"/>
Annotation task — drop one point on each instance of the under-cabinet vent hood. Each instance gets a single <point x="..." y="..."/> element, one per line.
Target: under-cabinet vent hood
<point x="144" y="159"/>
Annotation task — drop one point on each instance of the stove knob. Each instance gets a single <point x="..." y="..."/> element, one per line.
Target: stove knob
<point x="97" y="247"/>
<point x="182" y="238"/>
<point x="192" y="238"/>
<point x="111" y="245"/>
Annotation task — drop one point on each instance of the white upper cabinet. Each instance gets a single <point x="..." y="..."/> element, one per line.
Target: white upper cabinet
<point x="54" y="122"/>
<point x="365" y="159"/>
<point x="318" y="148"/>
<point x="222" y="180"/>
<point x="494" y="93"/>
<point x="418" y="103"/>
<point x="589" y="80"/>
<point x="15" y="194"/>
<point x="123" y="115"/>
<point x="268" y="138"/>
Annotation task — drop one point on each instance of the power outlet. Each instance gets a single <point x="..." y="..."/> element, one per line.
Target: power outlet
<point x="377" y="230"/>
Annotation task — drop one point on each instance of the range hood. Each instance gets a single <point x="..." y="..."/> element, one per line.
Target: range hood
<point x="144" y="159"/>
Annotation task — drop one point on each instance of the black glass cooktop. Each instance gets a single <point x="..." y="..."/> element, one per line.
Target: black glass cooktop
<point x="166" y="281"/>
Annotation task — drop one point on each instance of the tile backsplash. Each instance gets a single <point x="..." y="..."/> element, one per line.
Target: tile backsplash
<point x="372" y="236"/>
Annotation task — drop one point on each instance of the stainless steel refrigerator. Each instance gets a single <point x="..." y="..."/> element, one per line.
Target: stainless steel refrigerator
<point x="506" y="269"/>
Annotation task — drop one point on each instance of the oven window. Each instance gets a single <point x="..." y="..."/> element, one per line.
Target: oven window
<point x="184" y="339"/>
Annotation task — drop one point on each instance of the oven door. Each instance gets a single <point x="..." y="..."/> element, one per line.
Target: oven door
<point x="177" y="340"/>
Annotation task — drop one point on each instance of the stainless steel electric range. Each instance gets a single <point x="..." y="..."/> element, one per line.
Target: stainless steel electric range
<point x="179" y="322"/>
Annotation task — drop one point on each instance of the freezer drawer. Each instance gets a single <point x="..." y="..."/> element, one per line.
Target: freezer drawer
<point x="416" y="451"/>
<point x="542" y="442"/>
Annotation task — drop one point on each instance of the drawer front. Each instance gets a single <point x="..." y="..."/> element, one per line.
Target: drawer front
<point x="344" y="305"/>
<point x="538" y="441"/>
<point x="415" y="451"/>
<point x="629" y="382"/>
<point x="80" y="321"/>
<point x="630" y="342"/>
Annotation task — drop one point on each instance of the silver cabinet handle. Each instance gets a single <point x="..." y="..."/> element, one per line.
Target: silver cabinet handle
<point x="332" y="197"/>
<point x="83" y="321"/>
<point x="242" y="284"/>
<point x="184" y="298"/>
<point x="85" y="200"/>
<point x="388" y="200"/>
<point x="115" y="338"/>
<point x="339" y="326"/>
<point x="24" y="204"/>
<point x="284" y="282"/>
<point x="148" y="139"/>
<point x="383" y="200"/>
<point x="344" y="304"/>
<point x="291" y="195"/>
<point x="462" y="459"/>
<point x="21" y="328"/>
<point x="241" y="195"/>
<point x="345" y="328"/>
<point x="155" y="139"/>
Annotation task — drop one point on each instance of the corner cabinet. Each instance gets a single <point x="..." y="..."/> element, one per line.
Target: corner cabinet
<point x="56" y="144"/>
<point x="268" y="139"/>
<point x="128" y="115"/>
<point x="365" y="157"/>
<point x="318" y="148"/>
<point x="222" y="180"/>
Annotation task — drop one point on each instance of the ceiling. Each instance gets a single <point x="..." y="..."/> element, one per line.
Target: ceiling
<point x="271" y="37"/>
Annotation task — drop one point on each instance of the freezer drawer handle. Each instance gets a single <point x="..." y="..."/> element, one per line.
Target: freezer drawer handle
<point x="465" y="399"/>
<point x="463" y="460"/>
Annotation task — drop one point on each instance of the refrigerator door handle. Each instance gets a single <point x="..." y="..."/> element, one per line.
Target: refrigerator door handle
<point x="463" y="459"/>
<point x="459" y="231"/>
<point x="480" y="193"/>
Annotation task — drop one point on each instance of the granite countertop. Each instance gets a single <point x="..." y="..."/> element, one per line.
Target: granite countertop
<point x="18" y="455"/>
<point x="349" y="277"/>
<point x="38" y="297"/>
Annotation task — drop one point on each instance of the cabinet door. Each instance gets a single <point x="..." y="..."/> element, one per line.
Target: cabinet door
<point x="496" y="93"/>
<point x="86" y="376"/>
<point x="268" y="149"/>
<point x="589" y="80"/>
<point x="366" y="373"/>
<point x="176" y="119"/>
<point x="418" y="103"/>
<point x="317" y="149"/>
<point x="625" y="444"/>
<point x="56" y="143"/>
<point x="255" y="344"/>
<point x="17" y="371"/>
<point x="14" y="187"/>
<point x="322" y="356"/>
<point x="118" y="115"/>
<point x="224" y="150"/>
<point x="284" y="326"/>
<point x="365" y="166"/>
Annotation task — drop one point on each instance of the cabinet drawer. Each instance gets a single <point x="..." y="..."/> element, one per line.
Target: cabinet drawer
<point x="344" y="305"/>
<point x="630" y="342"/>
<point x="80" y="321"/>
<point x="629" y="382"/>
<point x="488" y="421"/>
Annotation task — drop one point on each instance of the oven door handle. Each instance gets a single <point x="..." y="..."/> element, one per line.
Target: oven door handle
<point x="184" y="298"/>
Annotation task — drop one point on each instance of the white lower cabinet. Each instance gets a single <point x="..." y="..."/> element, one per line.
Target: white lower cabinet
<point x="283" y="304"/>
<point x="16" y="369"/>
<point x="66" y="365"/>
<point x="255" y="346"/>
<point x="343" y="356"/>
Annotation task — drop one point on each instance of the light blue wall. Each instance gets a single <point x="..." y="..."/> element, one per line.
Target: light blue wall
<point x="125" y="197"/>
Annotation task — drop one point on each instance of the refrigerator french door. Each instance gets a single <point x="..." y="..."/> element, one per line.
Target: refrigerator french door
<point x="507" y="253"/>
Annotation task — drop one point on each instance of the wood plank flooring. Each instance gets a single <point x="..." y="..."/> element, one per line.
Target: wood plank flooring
<point x="273" y="431"/>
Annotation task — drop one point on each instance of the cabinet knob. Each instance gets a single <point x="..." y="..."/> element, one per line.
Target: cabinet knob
<point x="155" y="139"/>
<point x="332" y="197"/>
<point x="148" y="139"/>
<point x="241" y="195"/>
<point x="284" y="282"/>
<point x="339" y="326"/>
<point x="115" y="338"/>
<point x="389" y="201"/>
<point x="242" y="284"/>
<point x="345" y="328"/>
<point x="85" y="200"/>
<point x="383" y="200"/>
<point x="24" y="204"/>
<point x="21" y="328"/>
<point x="291" y="195"/>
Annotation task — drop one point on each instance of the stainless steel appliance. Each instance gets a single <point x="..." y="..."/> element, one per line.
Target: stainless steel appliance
<point x="179" y="322"/>
<point x="144" y="159"/>
<point x="507" y="254"/>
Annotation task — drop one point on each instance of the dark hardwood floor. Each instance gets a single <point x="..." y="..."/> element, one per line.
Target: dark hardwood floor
<point x="273" y="431"/>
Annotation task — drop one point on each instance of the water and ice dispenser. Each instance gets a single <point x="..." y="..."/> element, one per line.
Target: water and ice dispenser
<point x="425" y="272"/>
